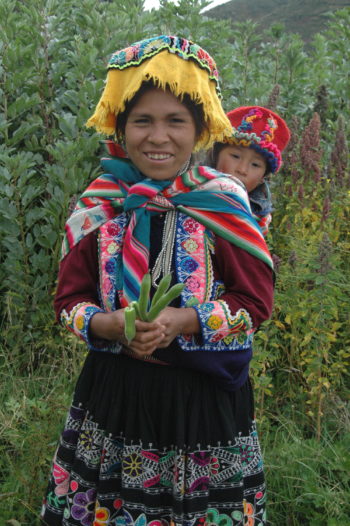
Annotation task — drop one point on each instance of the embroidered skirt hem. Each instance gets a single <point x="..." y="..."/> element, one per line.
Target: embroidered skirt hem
<point x="152" y="445"/>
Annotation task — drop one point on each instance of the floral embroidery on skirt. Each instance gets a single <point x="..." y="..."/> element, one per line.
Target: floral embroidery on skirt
<point x="100" y="477"/>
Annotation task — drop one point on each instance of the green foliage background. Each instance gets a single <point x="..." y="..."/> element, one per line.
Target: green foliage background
<point x="53" y="56"/>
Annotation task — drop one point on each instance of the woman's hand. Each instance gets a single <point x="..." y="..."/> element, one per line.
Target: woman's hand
<point x="149" y="335"/>
<point x="110" y="326"/>
<point x="147" y="338"/>
<point x="177" y="321"/>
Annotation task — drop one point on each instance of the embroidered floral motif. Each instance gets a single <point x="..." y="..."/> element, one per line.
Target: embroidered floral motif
<point x="61" y="477"/>
<point x="90" y="443"/>
<point x="190" y="225"/>
<point x="113" y="229"/>
<point x="127" y="520"/>
<point x="86" y="439"/>
<point x="223" y="331"/>
<point x="189" y="265"/>
<point x="190" y="245"/>
<point x="110" y="266"/>
<point x="253" y="514"/>
<point x="214" y="322"/>
<point x="78" y="320"/>
<point x="214" y="466"/>
<point x="217" y="337"/>
<point x="110" y="244"/>
<point x="132" y="465"/>
<point x="102" y="515"/>
<point x="214" y="518"/>
<point x="177" y="473"/>
<point x="83" y="507"/>
<point x="248" y="512"/>
<point x="193" y="284"/>
<point x="112" y="248"/>
<point x="53" y="501"/>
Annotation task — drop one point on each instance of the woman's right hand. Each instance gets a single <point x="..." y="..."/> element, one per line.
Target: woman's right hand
<point x="110" y="326"/>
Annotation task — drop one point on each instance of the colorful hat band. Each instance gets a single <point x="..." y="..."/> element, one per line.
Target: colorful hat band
<point x="187" y="50"/>
<point x="268" y="149"/>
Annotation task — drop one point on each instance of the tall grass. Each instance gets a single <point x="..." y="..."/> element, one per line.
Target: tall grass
<point x="33" y="406"/>
<point x="308" y="478"/>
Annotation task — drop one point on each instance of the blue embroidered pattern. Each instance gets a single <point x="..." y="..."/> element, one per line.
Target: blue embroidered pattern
<point x="78" y="321"/>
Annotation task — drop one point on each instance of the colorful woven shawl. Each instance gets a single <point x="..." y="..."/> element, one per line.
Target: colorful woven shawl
<point x="208" y="196"/>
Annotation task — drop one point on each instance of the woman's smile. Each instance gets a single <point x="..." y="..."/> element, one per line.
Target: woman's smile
<point x="158" y="156"/>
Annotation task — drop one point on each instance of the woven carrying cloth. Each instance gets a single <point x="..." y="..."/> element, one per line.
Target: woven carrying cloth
<point x="208" y="196"/>
<point x="171" y="63"/>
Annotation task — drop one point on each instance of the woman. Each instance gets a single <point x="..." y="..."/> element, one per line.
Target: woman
<point x="161" y="428"/>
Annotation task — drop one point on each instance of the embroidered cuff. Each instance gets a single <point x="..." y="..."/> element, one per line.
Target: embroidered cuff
<point x="78" y="321"/>
<point x="220" y="330"/>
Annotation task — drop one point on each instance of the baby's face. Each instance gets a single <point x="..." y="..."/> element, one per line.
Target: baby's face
<point x="244" y="163"/>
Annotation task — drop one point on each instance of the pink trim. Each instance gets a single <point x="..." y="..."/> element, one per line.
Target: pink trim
<point x="196" y="282"/>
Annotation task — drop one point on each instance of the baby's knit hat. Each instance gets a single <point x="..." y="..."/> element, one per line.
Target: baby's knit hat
<point x="261" y="129"/>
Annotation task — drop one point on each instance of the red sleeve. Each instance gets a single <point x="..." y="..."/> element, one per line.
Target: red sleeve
<point x="248" y="281"/>
<point x="78" y="276"/>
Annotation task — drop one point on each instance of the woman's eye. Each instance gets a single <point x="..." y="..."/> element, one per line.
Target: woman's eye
<point x="141" y="120"/>
<point x="177" y="120"/>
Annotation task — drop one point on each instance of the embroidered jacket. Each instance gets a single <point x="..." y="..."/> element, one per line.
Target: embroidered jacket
<point x="222" y="329"/>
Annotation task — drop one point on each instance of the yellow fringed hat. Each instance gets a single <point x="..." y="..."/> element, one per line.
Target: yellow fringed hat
<point x="171" y="63"/>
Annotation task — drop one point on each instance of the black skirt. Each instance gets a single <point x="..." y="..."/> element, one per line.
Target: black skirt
<point x="147" y="444"/>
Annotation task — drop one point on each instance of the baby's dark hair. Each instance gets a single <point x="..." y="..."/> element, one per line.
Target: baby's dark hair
<point x="213" y="154"/>
<point x="195" y="109"/>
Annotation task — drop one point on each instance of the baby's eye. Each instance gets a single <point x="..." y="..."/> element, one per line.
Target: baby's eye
<point x="257" y="165"/>
<point x="235" y="155"/>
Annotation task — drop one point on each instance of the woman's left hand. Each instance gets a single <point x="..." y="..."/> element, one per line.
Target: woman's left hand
<point x="177" y="321"/>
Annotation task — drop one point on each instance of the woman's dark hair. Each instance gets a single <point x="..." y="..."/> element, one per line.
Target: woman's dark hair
<point x="195" y="109"/>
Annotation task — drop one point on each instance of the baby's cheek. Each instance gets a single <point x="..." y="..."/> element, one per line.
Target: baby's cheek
<point x="224" y="166"/>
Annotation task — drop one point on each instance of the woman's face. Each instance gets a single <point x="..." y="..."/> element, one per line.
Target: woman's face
<point x="244" y="163"/>
<point x="160" y="134"/>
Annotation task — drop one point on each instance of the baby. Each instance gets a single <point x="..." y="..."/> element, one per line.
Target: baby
<point x="253" y="153"/>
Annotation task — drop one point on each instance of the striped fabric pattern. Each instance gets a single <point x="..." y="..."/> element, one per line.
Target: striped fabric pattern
<point x="211" y="198"/>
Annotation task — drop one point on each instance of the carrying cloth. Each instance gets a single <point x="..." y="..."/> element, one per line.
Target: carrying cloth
<point x="211" y="198"/>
